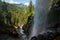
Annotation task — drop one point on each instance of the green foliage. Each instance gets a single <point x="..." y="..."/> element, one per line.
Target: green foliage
<point x="11" y="15"/>
<point x="30" y="15"/>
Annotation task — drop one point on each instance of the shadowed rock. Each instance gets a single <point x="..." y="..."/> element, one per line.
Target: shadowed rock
<point x="34" y="38"/>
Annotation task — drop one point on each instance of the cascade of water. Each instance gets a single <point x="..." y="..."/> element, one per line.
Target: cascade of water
<point x="23" y="35"/>
<point x="40" y="17"/>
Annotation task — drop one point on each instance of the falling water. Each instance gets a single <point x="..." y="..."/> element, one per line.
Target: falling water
<point x="40" y="17"/>
<point x="21" y="33"/>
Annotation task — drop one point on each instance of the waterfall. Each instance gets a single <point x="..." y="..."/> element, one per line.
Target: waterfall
<point x="40" y="17"/>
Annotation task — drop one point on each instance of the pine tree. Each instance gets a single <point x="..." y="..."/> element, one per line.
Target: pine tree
<point x="29" y="23"/>
<point x="30" y="6"/>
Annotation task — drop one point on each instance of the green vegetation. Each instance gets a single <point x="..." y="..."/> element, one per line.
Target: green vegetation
<point x="12" y="17"/>
<point x="9" y="16"/>
<point x="28" y="25"/>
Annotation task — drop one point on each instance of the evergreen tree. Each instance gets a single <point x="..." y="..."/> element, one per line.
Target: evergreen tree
<point x="30" y="12"/>
<point x="30" y="6"/>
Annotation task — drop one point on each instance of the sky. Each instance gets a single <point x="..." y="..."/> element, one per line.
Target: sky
<point x="26" y="2"/>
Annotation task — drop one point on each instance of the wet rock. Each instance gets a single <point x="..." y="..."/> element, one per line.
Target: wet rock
<point x="34" y="38"/>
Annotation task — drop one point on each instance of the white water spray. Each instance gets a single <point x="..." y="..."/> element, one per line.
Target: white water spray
<point x="40" y="17"/>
